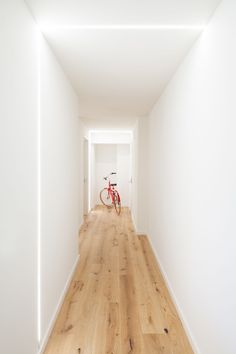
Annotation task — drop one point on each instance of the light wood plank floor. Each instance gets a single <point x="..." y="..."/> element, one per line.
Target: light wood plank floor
<point x="117" y="302"/>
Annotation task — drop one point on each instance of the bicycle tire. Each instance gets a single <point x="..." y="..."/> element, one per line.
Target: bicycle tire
<point x="105" y="197"/>
<point x="117" y="203"/>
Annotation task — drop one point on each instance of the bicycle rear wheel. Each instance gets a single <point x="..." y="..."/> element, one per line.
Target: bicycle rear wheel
<point x="105" y="197"/>
<point x="117" y="203"/>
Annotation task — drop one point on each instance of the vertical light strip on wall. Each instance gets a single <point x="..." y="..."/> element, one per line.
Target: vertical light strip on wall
<point x="39" y="188"/>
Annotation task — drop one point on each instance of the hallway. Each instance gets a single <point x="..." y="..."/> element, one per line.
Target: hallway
<point x="117" y="302"/>
<point x="143" y="94"/>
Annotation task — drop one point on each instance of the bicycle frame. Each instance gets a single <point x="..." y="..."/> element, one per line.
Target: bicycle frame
<point x="112" y="192"/>
<point x="112" y="196"/>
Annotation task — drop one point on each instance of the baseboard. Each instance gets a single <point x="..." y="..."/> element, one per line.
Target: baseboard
<point x="175" y="301"/>
<point x="58" y="307"/>
<point x="137" y="231"/>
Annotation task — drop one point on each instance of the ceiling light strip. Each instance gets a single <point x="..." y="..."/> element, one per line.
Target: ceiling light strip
<point x="123" y="27"/>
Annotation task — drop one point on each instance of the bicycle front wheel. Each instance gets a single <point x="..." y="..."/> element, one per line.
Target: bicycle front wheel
<point x="105" y="197"/>
<point x="117" y="203"/>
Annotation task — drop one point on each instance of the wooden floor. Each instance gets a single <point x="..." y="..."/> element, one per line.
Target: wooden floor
<point x="117" y="302"/>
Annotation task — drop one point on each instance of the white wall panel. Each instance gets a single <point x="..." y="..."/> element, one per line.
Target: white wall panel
<point x="192" y="205"/>
<point x="18" y="179"/>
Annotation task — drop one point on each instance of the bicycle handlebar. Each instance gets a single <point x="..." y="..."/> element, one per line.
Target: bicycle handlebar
<point x="112" y="173"/>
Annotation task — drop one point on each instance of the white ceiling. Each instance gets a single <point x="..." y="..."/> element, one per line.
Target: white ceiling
<point x="78" y="12"/>
<point x="120" y="73"/>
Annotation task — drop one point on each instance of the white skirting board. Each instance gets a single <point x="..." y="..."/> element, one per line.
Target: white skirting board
<point x="175" y="301"/>
<point x="137" y="231"/>
<point x="58" y="307"/>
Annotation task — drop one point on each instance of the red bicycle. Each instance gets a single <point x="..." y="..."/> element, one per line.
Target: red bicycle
<point x="109" y="196"/>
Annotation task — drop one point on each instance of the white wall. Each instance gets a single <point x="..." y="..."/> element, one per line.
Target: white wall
<point x="123" y="164"/>
<point x="142" y="155"/>
<point x="111" y="136"/>
<point x="61" y="183"/>
<point x="112" y="158"/>
<point x="134" y="184"/>
<point x="18" y="179"/>
<point x="140" y="175"/>
<point x="193" y="202"/>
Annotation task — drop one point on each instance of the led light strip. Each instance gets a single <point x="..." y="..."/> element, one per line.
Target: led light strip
<point x="39" y="192"/>
<point x="45" y="28"/>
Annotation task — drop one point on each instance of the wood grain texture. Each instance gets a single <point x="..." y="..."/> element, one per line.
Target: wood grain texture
<point x="117" y="302"/>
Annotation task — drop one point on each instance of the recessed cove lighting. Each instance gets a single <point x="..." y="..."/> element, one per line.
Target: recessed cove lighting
<point x="45" y="28"/>
<point x="39" y="191"/>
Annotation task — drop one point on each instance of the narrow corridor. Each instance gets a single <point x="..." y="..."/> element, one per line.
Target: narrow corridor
<point x="117" y="302"/>
<point x="145" y="90"/>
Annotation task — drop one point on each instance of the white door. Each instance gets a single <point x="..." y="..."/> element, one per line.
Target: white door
<point x="85" y="186"/>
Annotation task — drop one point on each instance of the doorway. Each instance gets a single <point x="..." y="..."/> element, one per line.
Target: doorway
<point x="112" y="158"/>
<point x="110" y="151"/>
